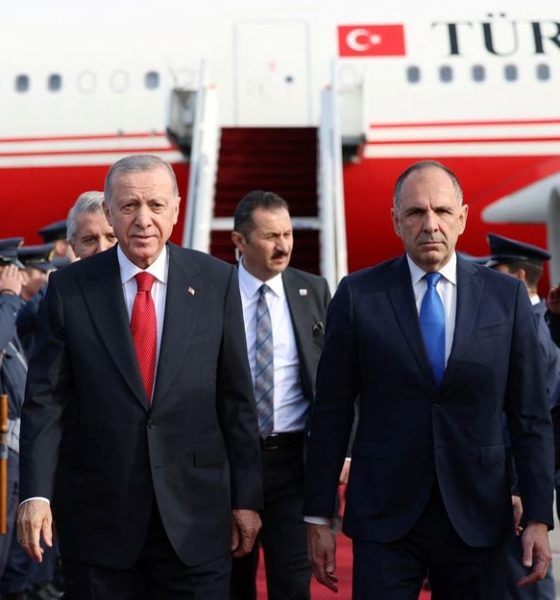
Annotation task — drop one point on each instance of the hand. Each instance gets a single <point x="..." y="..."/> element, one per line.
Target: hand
<point x="245" y="527"/>
<point x="321" y="547"/>
<point x="517" y="513"/>
<point x="343" y="477"/>
<point x="11" y="279"/>
<point x="536" y="552"/>
<point x="553" y="300"/>
<point x="34" y="522"/>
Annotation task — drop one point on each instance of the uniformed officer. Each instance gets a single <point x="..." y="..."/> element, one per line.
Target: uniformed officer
<point x="56" y="233"/>
<point x="526" y="263"/>
<point x="13" y="372"/>
<point x="37" y="262"/>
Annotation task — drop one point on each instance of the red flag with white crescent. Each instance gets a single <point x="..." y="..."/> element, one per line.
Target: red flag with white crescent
<point x="371" y="40"/>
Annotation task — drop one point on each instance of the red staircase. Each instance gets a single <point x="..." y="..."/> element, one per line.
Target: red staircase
<point x="281" y="160"/>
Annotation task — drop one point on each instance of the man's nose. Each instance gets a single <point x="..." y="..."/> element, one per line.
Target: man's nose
<point x="431" y="222"/>
<point x="143" y="216"/>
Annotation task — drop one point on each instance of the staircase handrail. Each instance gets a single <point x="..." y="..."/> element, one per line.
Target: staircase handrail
<point x="334" y="262"/>
<point x="202" y="166"/>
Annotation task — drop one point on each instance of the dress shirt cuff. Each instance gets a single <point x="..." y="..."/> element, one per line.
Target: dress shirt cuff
<point x="35" y="498"/>
<point x="317" y="520"/>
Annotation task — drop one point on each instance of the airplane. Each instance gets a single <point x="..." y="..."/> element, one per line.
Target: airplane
<point x="474" y="85"/>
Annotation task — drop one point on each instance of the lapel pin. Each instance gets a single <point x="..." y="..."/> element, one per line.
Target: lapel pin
<point x="191" y="291"/>
<point x="303" y="291"/>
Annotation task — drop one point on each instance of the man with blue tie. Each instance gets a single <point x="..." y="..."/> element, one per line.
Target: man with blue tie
<point x="437" y="349"/>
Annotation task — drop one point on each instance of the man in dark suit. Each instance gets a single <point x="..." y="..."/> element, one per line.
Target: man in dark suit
<point x="139" y="422"/>
<point x="438" y="350"/>
<point x="295" y="304"/>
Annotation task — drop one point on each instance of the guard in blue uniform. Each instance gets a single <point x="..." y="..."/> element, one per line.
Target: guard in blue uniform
<point x="526" y="262"/>
<point x="13" y="372"/>
<point x="37" y="263"/>
<point x="24" y="579"/>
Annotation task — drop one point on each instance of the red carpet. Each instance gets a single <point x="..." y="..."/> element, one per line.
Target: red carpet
<point x="343" y="571"/>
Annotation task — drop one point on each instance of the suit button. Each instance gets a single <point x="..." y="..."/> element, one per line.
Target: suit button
<point x="151" y="424"/>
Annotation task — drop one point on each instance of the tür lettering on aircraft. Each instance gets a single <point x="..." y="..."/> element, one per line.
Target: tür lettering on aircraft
<point x="501" y="36"/>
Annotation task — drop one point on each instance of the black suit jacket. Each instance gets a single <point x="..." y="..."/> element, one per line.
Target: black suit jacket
<point x="91" y="444"/>
<point x="308" y="298"/>
<point x="411" y="432"/>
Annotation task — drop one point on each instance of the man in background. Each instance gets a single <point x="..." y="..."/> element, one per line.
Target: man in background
<point x="526" y="263"/>
<point x="87" y="228"/>
<point x="55" y="233"/>
<point x="13" y="373"/>
<point x="284" y="311"/>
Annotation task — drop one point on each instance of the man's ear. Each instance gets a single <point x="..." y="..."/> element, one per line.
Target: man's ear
<point x="238" y="240"/>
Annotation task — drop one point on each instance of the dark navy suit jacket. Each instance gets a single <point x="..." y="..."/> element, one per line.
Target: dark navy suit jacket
<point x="411" y="432"/>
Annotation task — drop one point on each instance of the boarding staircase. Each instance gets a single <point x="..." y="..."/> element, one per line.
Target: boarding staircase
<point x="301" y="164"/>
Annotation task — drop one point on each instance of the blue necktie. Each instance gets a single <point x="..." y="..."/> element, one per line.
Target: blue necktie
<point x="264" y="366"/>
<point x="432" y="324"/>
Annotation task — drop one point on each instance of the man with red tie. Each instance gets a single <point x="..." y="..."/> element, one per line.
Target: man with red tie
<point x="139" y="425"/>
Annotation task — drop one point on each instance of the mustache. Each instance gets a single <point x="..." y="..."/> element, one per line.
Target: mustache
<point x="279" y="255"/>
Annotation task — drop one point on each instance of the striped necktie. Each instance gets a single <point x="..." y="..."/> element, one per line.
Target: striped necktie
<point x="264" y="366"/>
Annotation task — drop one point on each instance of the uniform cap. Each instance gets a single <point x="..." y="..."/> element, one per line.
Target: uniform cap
<point x="8" y="251"/>
<point x="505" y="250"/>
<point x="53" y="231"/>
<point x="38" y="257"/>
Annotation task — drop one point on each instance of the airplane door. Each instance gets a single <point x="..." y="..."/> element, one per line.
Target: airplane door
<point x="272" y="73"/>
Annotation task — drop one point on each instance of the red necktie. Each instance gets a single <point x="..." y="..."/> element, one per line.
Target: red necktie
<point x="144" y="330"/>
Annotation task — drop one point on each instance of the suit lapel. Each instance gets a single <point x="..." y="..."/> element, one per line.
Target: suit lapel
<point x="103" y="295"/>
<point x="469" y="294"/>
<point x="183" y="303"/>
<point x="401" y="295"/>
<point x="298" y="296"/>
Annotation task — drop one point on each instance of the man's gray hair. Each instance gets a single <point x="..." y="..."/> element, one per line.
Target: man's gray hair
<point x="421" y="166"/>
<point x="88" y="202"/>
<point x="137" y="163"/>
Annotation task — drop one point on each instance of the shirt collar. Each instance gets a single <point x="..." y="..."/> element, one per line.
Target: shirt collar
<point x="158" y="268"/>
<point x="449" y="270"/>
<point x="250" y="284"/>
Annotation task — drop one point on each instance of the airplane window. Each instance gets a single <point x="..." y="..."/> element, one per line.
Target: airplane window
<point x="413" y="74"/>
<point x="87" y="82"/>
<point x="478" y="73"/>
<point x="119" y="81"/>
<point x="54" y="82"/>
<point x="151" y="80"/>
<point x="510" y="72"/>
<point x="446" y="74"/>
<point x="22" y="83"/>
<point x="543" y="72"/>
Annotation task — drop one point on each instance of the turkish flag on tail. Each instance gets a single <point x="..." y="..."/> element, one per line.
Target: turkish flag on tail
<point x="371" y="40"/>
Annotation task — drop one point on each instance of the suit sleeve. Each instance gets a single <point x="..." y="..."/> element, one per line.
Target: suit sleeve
<point x="528" y="417"/>
<point x="236" y="406"/>
<point x="46" y="396"/>
<point x="331" y="424"/>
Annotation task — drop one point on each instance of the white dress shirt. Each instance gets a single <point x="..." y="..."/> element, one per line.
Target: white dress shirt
<point x="290" y="405"/>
